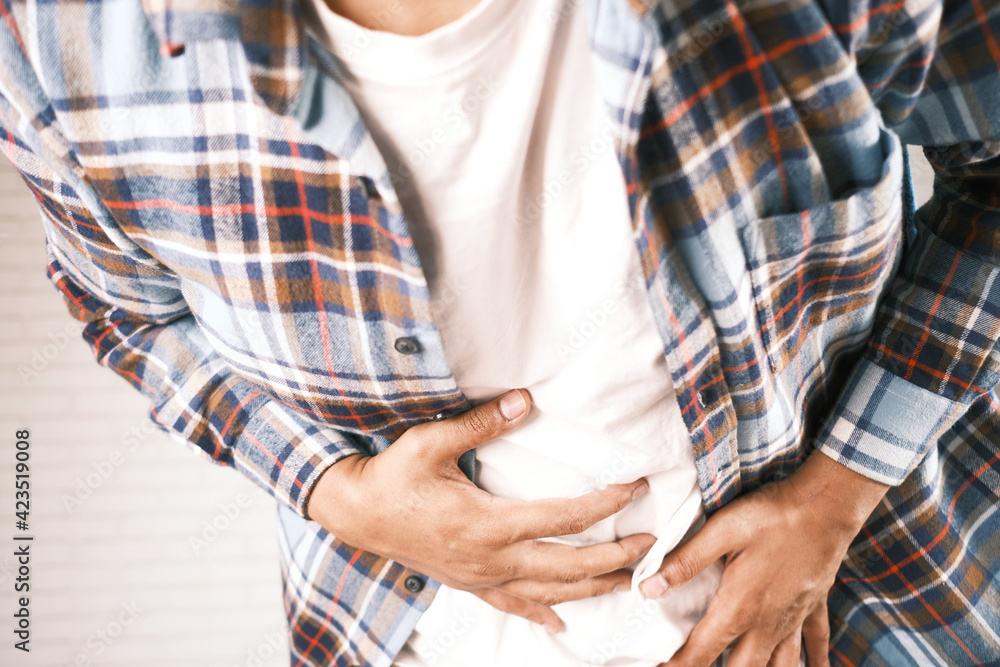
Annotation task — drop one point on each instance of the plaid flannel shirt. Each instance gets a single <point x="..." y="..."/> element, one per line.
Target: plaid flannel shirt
<point x="218" y="216"/>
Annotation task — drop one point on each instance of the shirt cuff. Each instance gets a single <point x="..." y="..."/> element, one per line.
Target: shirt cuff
<point x="289" y="453"/>
<point x="883" y="425"/>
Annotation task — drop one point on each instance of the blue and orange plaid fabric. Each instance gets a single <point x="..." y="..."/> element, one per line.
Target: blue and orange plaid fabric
<point x="219" y="218"/>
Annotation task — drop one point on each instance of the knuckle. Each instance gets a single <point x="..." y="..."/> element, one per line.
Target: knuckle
<point x="685" y="565"/>
<point x="491" y="536"/>
<point x="477" y="423"/>
<point x="744" y="617"/>
<point x="483" y="571"/>
<point x="785" y="621"/>
<point x="622" y="498"/>
<point x="488" y="533"/>
<point x="547" y="598"/>
<point x="601" y="587"/>
<point x="571" y="575"/>
<point x="577" y="523"/>
<point x="417" y="439"/>
<point x="625" y="557"/>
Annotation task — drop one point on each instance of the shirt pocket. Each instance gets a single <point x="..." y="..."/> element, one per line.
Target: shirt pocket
<point x="817" y="274"/>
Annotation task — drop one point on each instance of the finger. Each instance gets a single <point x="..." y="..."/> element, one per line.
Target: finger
<point x="533" y="519"/>
<point x="682" y="564"/>
<point x="448" y="439"/>
<point x="751" y="650"/>
<point x="789" y="652"/>
<point x="512" y="604"/>
<point x="550" y="593"/>
<point x="551" y="561"/>
<point x="710" y="637"/>
<point x="816" y="636"/>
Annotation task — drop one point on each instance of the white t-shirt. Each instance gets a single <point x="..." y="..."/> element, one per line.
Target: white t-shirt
<point x="500" y="150"/>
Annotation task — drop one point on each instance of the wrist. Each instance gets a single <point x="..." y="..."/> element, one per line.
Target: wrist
<point x="332" y="493"/>
<point x="839" y="498"/>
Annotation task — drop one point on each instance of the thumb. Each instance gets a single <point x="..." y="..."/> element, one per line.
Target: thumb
<point x="456" y="435"/>
<point x="511" y="604"/>
<point x="687" y="561"/>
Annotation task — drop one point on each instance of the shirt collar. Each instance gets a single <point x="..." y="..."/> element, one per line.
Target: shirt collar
<point x="178" y="22"/>
<point x="273" y="36"/>
<point x="272" y="33"/>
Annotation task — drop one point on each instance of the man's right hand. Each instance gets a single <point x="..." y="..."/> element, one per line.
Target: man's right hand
<point x="413" y="504"/>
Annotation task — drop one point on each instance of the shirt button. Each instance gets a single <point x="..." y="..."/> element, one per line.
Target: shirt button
<point x="701" y="399"/>
<point x="369" y="187"/>
<point x="414" y="584"/>
<point x="407" y="345"/>
<point x="439" y="416"/>
<point x="172" y="49"/>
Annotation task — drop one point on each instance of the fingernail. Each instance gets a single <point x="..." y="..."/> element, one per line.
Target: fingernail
<point x="654" y="587"/>
<point x="640" y="490"/>
<point x="620" y="587"/>
<point x="512" y="405"/>
<point x="551" y="629"/>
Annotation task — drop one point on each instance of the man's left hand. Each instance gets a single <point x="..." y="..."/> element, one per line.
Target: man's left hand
<point x="782" y="546"/>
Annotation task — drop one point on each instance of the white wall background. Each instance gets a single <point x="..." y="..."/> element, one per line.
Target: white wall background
<point x="129" y="542"/>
